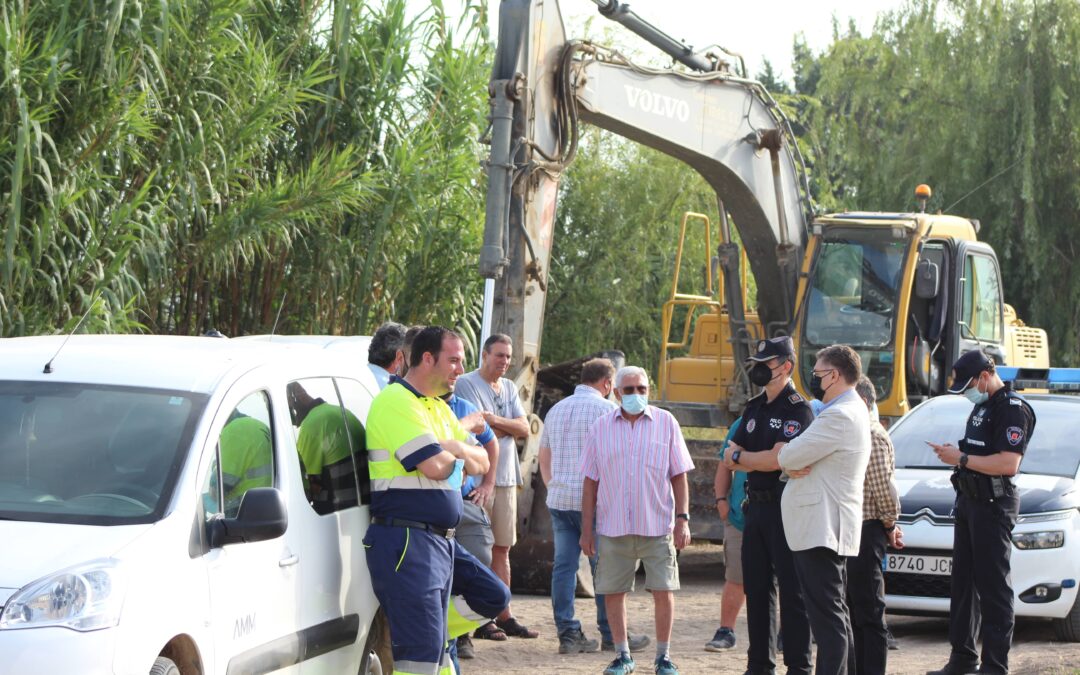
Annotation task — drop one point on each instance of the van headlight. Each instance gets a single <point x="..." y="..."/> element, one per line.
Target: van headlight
<point x="84" y="598"/>
<point x="1032" y="540"/>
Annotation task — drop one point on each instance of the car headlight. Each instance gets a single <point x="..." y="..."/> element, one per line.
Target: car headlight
<point x="1032" y="540"/>
<point x="84" y="598"/>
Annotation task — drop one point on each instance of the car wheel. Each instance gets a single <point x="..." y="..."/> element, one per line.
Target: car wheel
<point x="164" y="666"/>
<point x="378" y="656"/>
<point x="1068" y="628"/>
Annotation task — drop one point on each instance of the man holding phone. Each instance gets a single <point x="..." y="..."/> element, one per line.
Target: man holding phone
<point x="998" y="430"/>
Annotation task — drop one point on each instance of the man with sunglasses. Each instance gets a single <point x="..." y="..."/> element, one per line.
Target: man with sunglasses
<point x="987" y="504"/>
<point x="778" y="414"/>
<point x="635" y="464"/>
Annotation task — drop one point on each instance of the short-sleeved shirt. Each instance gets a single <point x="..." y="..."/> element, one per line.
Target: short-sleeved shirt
<point x="737" y="491"/>
<point x="408" y="426"/>
<point x="633" y="465"/>
<point x="506" y="404"/>
<point x="464" y="408"/>
<point x="1003" y="424"/>
<point x="323" y="438"/>
<point x="565" y="428"/>
<point x="382" y="375"/>
<point x="766" y="423"/>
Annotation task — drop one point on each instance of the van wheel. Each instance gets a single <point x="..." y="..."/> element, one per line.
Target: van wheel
<point x="1068" y="628"/>
<point x="378" y="656"/>
<point x="164" y="666"/>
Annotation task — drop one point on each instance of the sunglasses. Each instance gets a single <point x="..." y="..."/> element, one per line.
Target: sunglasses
<point x="640" y="389"/>
<point x="822" y="373"/>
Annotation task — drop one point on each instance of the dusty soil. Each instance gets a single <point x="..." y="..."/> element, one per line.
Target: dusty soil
<point x="923" y="641"/>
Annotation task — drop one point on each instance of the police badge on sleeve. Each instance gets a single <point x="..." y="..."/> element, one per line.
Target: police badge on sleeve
<point x="791" y="427"/>
<point x="1014" y="435"/>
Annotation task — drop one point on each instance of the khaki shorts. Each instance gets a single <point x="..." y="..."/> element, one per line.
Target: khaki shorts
<point x="618" y="560"/>
<point x="503" y="514"/>
<point x="732" y="553"/>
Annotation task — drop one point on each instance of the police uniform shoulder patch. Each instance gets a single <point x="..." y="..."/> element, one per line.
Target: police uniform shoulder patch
<point x="795" y="398"/>
<point x="1015" y="401"/>
<point x="791" y="427"/>
<point x="1014" y="435"/>
<point x="751" y="425"/>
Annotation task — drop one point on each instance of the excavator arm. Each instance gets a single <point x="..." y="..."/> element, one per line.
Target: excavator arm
<point x="726" y="127"/>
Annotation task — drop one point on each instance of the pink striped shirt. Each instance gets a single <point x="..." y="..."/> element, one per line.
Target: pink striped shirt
<point x="634" y="465"/>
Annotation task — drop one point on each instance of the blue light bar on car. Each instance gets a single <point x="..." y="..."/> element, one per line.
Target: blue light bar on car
<point x="1052" y="379"/>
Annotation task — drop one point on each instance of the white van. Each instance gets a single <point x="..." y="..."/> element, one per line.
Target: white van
<point x="155" y="515"/>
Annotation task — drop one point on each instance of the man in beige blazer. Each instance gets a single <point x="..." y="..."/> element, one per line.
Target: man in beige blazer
<point x="822" y="504"/>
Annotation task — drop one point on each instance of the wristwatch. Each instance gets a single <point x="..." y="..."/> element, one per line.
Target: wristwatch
<point x="684" y="516"/>
<point x="963" y="460"/>
<point x="735" y="456"/>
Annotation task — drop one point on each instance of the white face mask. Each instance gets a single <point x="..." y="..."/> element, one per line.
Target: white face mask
<point x="974" y="395"/>
<point x="634" y="404"/>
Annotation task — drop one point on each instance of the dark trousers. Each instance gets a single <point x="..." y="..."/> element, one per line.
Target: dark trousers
<point x="982" y="544"/>
<point x="765" y="553"/>
<point x="821" y="572"/>
<point x="866" y="601"/>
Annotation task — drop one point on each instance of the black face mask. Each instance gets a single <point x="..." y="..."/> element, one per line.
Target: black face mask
<point x="761" y="374"/>
<point x="815" y="388"/>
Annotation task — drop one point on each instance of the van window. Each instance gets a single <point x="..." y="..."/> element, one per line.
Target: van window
<point x="245" y="457"/>
<point x="326" y="435"/>
<point x="357" y="400"/>
<point x="89" y="454"/>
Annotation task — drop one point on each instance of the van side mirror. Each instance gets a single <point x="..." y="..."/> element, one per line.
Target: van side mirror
<point x="261" y="516"/>
<point x="927" y="280"/>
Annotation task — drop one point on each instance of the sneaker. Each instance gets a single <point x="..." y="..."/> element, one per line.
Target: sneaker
<point x="575" y="642"/>
<point x="722" y="641"/>
<point x="664" y="666"/>
<point x="636" y="642"/>
<point x="465" y="648"/>
<point x="622" y="665"/>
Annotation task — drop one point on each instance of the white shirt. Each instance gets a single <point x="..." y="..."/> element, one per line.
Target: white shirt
<point x="565" y="430"/>
<point x="382" y="375"/>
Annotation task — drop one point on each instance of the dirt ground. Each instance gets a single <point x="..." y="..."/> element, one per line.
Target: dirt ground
<point x="923" y="641"/>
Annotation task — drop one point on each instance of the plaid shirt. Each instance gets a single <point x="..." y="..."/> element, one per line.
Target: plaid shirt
<point x="565" y="429"/>
<point x="880" y="501"/>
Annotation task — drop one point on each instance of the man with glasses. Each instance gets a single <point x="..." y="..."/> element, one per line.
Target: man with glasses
<point x="998" y="431"/>
<point x="635" y="465"/>
<point x="776" y="415"/>
<point x="822" y="504"/>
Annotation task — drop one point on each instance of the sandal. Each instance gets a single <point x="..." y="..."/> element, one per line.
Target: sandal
<point x="515" y="629"/>
<point x="489" y="631"/>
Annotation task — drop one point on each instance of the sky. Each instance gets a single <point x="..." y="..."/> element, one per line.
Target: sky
<point x="757" y="31"/>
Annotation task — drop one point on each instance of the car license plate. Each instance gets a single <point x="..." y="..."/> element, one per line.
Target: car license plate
<point x="918" y="564"/>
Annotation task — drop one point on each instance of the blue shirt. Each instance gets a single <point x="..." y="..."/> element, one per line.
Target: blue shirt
<point x="463" y="407"/>
<point x="737" y="492"/>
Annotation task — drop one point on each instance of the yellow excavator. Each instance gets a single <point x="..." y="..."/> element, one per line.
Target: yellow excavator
<point x="909" y="291"/>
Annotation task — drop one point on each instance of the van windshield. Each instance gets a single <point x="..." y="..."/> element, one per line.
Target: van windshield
<point x="90" y="454"/>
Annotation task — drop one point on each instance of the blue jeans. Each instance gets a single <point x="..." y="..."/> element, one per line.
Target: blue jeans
<point x="566" y="526"/>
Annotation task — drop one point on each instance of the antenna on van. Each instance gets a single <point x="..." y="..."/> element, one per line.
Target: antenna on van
<point x="277" y="318"/>
<point x="48" y="366"/>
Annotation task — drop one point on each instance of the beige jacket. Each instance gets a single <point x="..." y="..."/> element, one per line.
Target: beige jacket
<point x="824" y="508"/>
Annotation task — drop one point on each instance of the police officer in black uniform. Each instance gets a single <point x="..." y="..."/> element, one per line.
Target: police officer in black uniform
<point x="998" y="430"/>
<point x="776" y="415"/>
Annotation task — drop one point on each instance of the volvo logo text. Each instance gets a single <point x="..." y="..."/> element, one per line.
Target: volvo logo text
<point x="658" y="104"/>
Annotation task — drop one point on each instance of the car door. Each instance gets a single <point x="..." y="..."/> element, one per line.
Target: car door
<point x="979" y="308"/>
<point x="253" y="586"/>
<point x="335" y="608"/>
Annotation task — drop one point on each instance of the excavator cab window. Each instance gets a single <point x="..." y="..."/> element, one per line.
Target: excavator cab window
<point x="854" y="292"/>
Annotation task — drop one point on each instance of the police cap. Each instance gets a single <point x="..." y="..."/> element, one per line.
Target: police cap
<point x="777" y="348"/>
<point x="969" y="366"/>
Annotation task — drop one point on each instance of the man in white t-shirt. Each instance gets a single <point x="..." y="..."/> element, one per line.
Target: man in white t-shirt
<point x="497" y="398"/>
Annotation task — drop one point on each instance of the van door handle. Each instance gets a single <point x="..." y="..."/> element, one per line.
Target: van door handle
<point x="289" y="562"/>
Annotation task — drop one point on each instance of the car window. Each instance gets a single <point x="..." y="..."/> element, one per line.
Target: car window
<point x="326" y="435"/>
<point x="1052" y="450"/>
<point x="244" y="459"/>
<point x="981" y="309"/>
<point x="87" y="454"/>
<point x="357" y="400"/>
